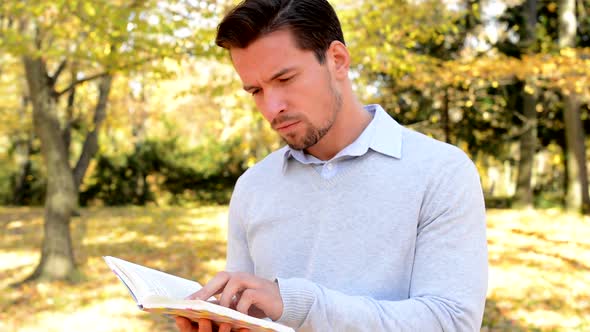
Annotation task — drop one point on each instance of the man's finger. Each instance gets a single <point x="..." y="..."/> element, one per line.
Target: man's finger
<point x="183" y="324"/>
<point x="224" y="327"/>
<point x="234" y="287"/>
<point x="231" y="292"/>
<point x="205" y="325"/>
<point x="214" y="286"/>
<point x="246" y="301"/>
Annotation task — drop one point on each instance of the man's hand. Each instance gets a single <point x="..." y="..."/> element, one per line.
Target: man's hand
<point x="204" y="325"/>
<point x="244" y="292"/>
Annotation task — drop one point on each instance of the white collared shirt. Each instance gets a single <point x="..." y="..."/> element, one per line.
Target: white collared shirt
<point x="378" y="136"/>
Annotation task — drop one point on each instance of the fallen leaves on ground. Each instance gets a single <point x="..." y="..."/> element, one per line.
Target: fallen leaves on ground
<point x="539" y="267"/>
<point x="539" y="271"/>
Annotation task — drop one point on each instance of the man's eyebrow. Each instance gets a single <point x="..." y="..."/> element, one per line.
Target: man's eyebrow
<point x="273" y="77"/>
<point x="281" y="73"/>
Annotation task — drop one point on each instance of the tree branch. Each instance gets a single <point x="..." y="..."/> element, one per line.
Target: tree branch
<point x="59" y="70"/>
<point x="103" y="74"/>
<point x="90" y="146"/>
<point x="77" y="82"/>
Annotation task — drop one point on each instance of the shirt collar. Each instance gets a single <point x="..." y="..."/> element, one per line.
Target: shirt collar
<point x="383" y="135"/>
<point x="388" y="133"/>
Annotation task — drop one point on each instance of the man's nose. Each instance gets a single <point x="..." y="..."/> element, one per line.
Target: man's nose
<point x="274" y="104"/>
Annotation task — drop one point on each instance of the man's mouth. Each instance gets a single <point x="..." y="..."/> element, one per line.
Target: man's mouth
<point x="286" y="126"/>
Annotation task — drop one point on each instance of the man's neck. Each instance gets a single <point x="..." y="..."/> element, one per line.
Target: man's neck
<point x="348" y="126"/>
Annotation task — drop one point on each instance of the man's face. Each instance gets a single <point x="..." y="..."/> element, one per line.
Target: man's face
<point x="294" y="92"/>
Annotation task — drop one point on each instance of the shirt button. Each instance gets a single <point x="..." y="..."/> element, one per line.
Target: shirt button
<point x="329" y="166"/>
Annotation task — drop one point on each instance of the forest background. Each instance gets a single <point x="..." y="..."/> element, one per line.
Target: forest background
<point x="130" y="104"/>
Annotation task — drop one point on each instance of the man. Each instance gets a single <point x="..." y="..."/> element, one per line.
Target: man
<point x="358" y="224"/>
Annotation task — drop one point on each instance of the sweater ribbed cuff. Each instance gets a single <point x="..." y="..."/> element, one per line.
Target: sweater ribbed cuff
<point x="298" y="297"/>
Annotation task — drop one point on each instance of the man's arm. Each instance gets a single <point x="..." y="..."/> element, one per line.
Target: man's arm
<point x="449" y="276"/>
<point x="238" y="257"/>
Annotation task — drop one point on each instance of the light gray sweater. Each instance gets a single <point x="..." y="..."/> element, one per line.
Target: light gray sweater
<point x="388" y="244"/>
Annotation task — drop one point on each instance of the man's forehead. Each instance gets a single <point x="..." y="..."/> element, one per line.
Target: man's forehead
<point x="265" y="61"/>
<point x="276" y="41"/>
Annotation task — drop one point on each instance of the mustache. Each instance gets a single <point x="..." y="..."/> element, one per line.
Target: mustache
<point x="280" y="119"/>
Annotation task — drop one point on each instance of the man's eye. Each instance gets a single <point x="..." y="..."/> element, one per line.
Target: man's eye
<point x="283" y="80"/>
<point x="255" y="92"/>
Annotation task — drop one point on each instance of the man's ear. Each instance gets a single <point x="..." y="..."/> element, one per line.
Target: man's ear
<point x="338" y="58"/>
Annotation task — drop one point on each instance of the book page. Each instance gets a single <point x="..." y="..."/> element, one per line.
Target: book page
<point x="148" y="282"/>
<point x="125" y="278"/>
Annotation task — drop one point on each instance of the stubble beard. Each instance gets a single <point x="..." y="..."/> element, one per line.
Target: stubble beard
<point x="314" y="134"/>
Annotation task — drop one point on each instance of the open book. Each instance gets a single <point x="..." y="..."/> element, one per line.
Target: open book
<point x="159" y="292"/>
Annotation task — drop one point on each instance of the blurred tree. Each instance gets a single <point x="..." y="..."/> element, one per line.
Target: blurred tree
<point x="400" y="47"/>
<point x="94" y="40"/>
<point x="578" y="198"/>
<point x="430" y="65"/>
<point x="23" y="147"/>
<point x="528" y="139"/>
<point x="547" y="71"/>
<point x="16" y="129"/>
<point x="191" y="137"/>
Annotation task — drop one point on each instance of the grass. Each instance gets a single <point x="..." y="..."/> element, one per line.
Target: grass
<point x="539" y="267"/>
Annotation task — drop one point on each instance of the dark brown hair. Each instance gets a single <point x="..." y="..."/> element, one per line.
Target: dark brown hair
<point x="314" y="24"/>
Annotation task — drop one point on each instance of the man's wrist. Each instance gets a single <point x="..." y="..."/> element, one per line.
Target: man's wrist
<point x="298" y="297"/>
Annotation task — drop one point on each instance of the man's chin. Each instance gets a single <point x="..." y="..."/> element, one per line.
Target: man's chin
<point x="294" y="145"/>
<point x="297" y="145"/>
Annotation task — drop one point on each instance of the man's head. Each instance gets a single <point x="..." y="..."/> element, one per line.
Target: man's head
<point x="290" y="55"/>
<point x="314" y="24"/>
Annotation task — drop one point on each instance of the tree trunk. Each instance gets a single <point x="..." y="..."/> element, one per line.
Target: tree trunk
<point x="23" y="152"/>
<point x="67" y="131"/>
<point x="528" y="142"/>
<point x="446" y="122"/>
<point x="577" y="198"/>
<point x="24" y="168"/>
<point x="57" y="259"/>
<point x="568" y="23"/>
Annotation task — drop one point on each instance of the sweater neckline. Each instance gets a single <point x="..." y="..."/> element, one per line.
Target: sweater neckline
<point x="320" y="183"/>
